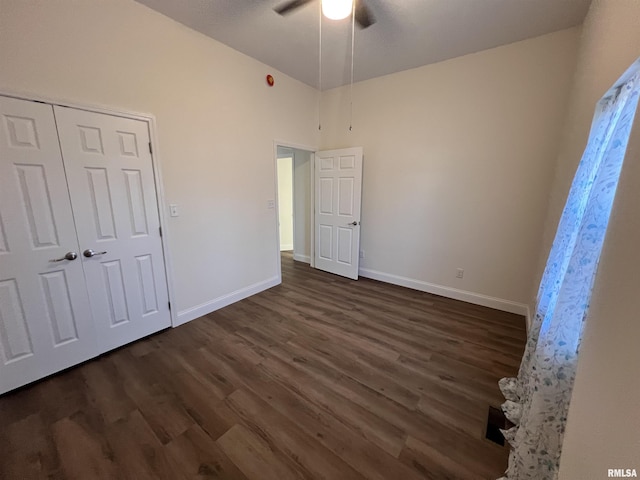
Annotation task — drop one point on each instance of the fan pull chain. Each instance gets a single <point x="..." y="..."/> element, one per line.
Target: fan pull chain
<point x="353" y="38"/>
<point x="320" y="66"/>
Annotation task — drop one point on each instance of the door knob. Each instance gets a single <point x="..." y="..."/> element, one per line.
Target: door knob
<point x="354" y="223"/>
<point x="90" y="253"/>
<point x="68" y="256"/>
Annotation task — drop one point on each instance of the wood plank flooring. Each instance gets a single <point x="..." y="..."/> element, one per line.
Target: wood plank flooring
<point x="318" y="378"/>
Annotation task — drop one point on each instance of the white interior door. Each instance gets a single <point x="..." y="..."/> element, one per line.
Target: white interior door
<point x="45" y="319"/>
<point x="338" y="179"/>
<point x="110" y="178"/>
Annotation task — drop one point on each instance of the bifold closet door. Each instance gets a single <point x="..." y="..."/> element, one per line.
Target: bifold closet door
<point x="111" y="184"/>
<point x="45" y="319"/>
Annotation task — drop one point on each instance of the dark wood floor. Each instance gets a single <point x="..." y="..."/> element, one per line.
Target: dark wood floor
<point x="319" y="378"/>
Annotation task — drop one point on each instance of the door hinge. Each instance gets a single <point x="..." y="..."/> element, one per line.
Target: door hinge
<point x="169" y="305"/>
<point x="150" y="148"/>
<point x="160" y="230"/>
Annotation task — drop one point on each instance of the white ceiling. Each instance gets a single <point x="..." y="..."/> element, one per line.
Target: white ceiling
<point x="408" y="33"/>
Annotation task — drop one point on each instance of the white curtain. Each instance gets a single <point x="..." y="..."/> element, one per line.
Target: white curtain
<point x="538" y="399"/>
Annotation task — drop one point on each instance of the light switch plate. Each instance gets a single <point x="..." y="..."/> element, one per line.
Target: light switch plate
<point x="173" y="210"/>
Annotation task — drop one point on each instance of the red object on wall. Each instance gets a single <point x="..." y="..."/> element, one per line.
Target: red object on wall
<point x="270" y="80"/>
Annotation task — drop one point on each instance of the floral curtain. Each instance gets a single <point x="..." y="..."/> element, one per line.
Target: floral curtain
<point x="537" y="401"/>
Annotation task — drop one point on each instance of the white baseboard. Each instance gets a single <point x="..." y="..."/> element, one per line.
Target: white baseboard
<point x="192" y="313"/>
<point x="449" y="292"/>
<point x="301" y="258"/>
<point x="287" y="247"/>
<point x="529" y="319"/>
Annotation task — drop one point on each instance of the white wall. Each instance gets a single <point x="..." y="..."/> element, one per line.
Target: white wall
<point x="458" y="160"/>
<point x="285" y="202"/>
<point x="216" y="119"/>
<point x="302" y="192"/>
<point x="603" y="429"/>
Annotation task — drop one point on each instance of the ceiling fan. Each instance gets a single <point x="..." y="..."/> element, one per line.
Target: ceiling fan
<point x="363" y="16"/>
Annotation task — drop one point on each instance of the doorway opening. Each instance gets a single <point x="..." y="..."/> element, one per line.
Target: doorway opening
<point x="294" y="177"/>
<point x="331" y="182"/>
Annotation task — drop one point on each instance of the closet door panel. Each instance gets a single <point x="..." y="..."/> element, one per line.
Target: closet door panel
<point x="45" y="319"/>
<point x="111" y="183"/>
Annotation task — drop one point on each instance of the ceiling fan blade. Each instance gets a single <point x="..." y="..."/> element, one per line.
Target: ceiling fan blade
<point x="364" y="17"/>
<point x="290" y="6"/>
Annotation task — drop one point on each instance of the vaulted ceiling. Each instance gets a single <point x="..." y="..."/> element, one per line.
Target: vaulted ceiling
<point x="407" y="34"/>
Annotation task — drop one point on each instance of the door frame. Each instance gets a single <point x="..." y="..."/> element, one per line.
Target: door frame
<point x="312" y="150"/>
<point x="150" y="120"/>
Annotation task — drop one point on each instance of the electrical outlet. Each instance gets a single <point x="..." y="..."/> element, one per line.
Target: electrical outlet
<point x="459" y="273"/>
<point x="361" y="253"/>
<point x="173" y="210"/>
<point x="271" y="204"/>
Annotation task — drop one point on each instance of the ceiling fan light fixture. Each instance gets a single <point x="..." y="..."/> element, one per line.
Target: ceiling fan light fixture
<point x="337" y="9"/>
